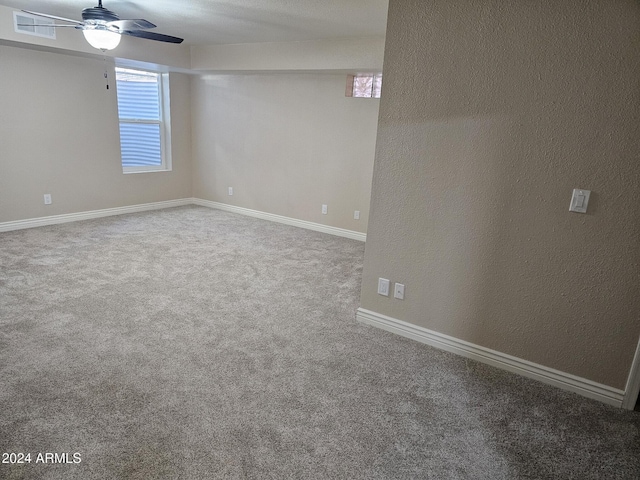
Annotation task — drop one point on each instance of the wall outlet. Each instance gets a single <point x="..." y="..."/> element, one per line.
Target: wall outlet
<point x="230" y="190"/>
<point x="356" y="215"/>
<point x="383" y="287"/>
<point x="398" y="291"/>
<point x="324" y="209"/>
<point x="47" y="199"/>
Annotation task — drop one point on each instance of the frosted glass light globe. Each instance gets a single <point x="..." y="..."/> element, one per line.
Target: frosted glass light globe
<point x="101" y="39"/>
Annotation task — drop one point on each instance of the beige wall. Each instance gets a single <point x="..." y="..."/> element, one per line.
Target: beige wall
<point x="492" y="112"/>
<point x="353" y="54"/>
<point x="59" y="135"/>
<point x="286" y="143"/>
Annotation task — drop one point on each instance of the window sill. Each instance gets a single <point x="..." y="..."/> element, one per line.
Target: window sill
<point x="128" y="172"/>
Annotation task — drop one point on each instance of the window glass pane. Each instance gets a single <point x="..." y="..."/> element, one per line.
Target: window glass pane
<point x="138" y="95"/>
<point x="140" y="144"/>
<point x="377" y="86"/>
<point x="362" y="85"/>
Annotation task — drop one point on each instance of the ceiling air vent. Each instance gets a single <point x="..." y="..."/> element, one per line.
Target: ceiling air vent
<point x="32" y="25"/>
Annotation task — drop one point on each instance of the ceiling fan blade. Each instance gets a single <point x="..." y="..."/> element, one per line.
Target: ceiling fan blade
<point x="134" y="24"/>
<point x="53" y="17"/>
<point x="152" y="36"/>
<point x="45" y="25"/>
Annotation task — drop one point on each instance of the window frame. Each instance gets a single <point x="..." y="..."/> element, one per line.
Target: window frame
<point x="375" y="90"/>
<point x="164" y="122"/>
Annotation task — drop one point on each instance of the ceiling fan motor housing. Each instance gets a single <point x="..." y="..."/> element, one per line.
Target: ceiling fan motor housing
<point x="99" y="14"/>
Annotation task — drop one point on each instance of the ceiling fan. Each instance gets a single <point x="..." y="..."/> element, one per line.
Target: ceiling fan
<point x="102" y="28"/>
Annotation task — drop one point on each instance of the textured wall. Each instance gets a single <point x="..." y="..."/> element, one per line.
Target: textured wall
<point x="491" y="113"/>
<point x="59" y="135"/>
<point x="286" y="143"/>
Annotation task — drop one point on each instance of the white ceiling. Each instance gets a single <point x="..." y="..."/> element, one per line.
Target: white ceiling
<point x="205" y="22"/>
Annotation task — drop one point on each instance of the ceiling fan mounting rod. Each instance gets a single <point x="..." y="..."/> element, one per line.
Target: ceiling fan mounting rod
<point x="99" y="14"/>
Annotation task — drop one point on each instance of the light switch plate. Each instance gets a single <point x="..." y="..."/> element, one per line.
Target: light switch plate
<point x="383" y="287"/>
<point x="579" y="200"/>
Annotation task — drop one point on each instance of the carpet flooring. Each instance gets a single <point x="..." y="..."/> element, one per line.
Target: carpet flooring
<point x="197" y="344"/>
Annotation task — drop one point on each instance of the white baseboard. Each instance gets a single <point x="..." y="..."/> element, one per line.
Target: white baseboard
<point x="565" y="381"/>
<point x="340" y="232"/>
<point x="633" y="382"/>
<point x="74" y="217"/>
<point x="106" y="212"/>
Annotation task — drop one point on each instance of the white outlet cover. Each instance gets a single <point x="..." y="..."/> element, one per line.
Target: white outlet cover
<point x="398" y="291"/>
<point x="324" y="209"/>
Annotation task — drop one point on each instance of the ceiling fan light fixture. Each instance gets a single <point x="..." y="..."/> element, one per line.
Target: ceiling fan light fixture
<point x="102" y="28"/>
<point x="101" y="39"/>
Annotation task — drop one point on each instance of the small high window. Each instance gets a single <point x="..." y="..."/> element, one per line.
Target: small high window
<point x="143" y="110"/>
<point x="364" y="85"/>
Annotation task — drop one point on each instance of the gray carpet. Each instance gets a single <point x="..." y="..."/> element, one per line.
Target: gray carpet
<point x="193" y="343"/>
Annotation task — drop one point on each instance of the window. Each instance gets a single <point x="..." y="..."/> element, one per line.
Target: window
<point x="364" y="85"/>
<point x="143" y="110"/>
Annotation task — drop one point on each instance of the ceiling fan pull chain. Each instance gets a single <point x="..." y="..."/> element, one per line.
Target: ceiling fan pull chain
<point x="106" y="77"/>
